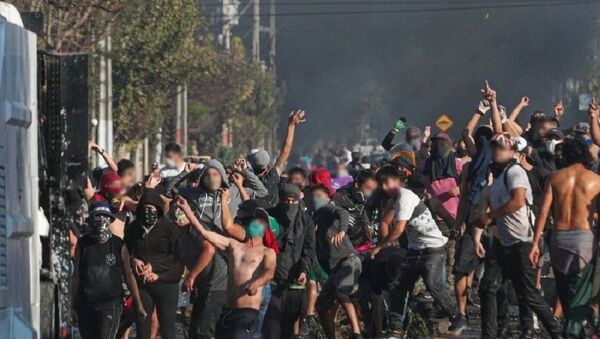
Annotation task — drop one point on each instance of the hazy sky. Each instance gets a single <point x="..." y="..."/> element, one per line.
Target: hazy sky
<point x="428" y="63"/>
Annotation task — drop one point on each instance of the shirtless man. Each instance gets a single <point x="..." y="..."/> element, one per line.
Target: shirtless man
<point x="250" y="266"/>
<point x="571" y="198"/>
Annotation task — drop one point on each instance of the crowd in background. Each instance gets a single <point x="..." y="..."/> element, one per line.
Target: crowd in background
<point x="271" y="248"/>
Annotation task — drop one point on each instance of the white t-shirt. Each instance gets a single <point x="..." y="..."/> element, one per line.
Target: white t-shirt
<point x="422" y="230"/>
<point x="515" y="227"/>
<point x="167" y="172"/>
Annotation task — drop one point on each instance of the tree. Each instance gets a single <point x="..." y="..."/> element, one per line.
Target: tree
<point x="73" y="25"/>
<point x="242" y="96"/>
<point x="156" y="46"/>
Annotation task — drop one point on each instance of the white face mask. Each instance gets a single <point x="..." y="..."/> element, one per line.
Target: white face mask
<point x="551" y="145"/>
<point x="170" y="162"/>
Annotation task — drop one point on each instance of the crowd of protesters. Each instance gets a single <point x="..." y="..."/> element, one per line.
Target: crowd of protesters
<point x="268" y="250"/>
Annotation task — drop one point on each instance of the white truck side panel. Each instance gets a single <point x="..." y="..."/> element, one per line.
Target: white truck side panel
<point x="19" y="240"/>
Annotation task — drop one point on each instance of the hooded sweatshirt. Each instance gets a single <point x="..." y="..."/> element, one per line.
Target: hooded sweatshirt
<point x="159" y="245"/>
<point x="208" y="203"/>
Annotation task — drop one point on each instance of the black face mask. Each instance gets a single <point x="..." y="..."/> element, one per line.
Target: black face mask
<point x="290" y="210"/>
<point x="148" y="217"/>
<point x="461" y="152"/>
<point x="497" y="169"/>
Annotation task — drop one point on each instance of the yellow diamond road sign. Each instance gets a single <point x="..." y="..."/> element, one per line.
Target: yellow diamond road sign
<point x="443" y="122"/>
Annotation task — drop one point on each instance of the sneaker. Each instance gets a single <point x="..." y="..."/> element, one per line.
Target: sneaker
<point x="307" y="325"/>
<point x="527" y="334"/>
<point x="394" y="334"/>
<point x="459" y="324"/>
<point x="503" y="332"/>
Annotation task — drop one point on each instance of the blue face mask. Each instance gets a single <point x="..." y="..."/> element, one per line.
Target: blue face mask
<point x="255" y="229"/>
<point x="318" y="203"/>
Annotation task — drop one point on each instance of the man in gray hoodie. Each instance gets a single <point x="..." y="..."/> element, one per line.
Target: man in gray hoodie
<point x="207" y="196"/>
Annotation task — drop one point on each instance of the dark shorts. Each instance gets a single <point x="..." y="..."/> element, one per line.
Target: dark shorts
<point x="236" y="323"/>
<point x="465" y="259"/>
<point x="342" y="281"/>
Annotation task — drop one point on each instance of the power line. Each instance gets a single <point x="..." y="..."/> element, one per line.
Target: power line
<point x="384" y="2"/>
<point x="431" y="9"/>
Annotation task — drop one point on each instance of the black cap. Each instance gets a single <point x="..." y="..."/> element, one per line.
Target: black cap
<point x="255" y="208"/>
<point x="555" y="132"/>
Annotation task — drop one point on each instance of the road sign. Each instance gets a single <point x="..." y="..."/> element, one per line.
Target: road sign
<point x="444" y="123"/>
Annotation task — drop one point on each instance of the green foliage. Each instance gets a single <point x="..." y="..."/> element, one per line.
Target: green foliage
<point x="155" y="49"/>
<point x="239" y="94"/>
<point x="158" y="45"/>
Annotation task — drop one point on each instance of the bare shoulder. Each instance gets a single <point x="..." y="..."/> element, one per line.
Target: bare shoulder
<point x="269" y="252"/>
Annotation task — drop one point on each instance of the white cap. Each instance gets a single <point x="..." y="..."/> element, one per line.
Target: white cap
<point x="521" y="144"/>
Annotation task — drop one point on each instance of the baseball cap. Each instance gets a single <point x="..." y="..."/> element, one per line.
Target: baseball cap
<point x="521" y="144"/>
<point x="555" y="132"/>
<point x="255" y="208"/>
<point x="101" y="208"/>
<point x="582" y="128"/>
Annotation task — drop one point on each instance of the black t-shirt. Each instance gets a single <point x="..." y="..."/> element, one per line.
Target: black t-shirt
<point x="271" y="181"/>
<point x="537" y="179"/>
<point x="100" y="272"/>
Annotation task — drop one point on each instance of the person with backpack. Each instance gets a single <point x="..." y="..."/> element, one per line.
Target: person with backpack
<point x="510" y="202"/>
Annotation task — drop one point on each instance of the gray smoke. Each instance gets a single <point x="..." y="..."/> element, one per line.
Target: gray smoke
<point x="426" y="64"/>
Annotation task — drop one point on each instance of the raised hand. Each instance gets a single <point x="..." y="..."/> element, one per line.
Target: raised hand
<point x="559" y="109"/>
<point x="226" y="193"/>
<point x="238" y="179"/>
<point x="427" y="132"/>
<point x="399" y="125"/>
<point x="594" y="109"/>
<point x="488" y="92"/>
<point x="183" y="204"/>
<point x="153" y="180"/>
<point x="297" y="117"/>
<point x="524" y="101"/>
<point x="484" y="106"/>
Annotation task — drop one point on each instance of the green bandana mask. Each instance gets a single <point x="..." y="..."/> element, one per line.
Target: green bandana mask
<point x="255" y="229"/>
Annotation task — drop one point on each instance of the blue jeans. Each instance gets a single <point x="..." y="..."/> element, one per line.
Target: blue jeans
<point x="266" y="298"/>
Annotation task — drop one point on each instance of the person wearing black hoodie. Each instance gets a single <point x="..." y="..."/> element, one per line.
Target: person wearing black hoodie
<point x="296" y="258"/>
<point x="152" y="241"/>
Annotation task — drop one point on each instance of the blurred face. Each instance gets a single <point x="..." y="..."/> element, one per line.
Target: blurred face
<point x="545" y="126"/>
<point x="320" y="194"/>
<point x="341" y="170"/>
<point x="501" y="155"/>
<point x="368" y="187"/>
<point x="212" y="179"/>
<point x="173" y="159"/>
<point x="297" y="179"/>
<point x="440" y="147"/>
<point x="391" y="187"/>
<point x="128" y="178"/>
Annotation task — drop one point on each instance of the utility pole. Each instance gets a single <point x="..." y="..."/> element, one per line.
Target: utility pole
<point x="185" y="119"/>
<point x="256" y="31"/>
<point x="178" y="113"/>
<point x="226" y="28"/>
<point x="272" y="35"/>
